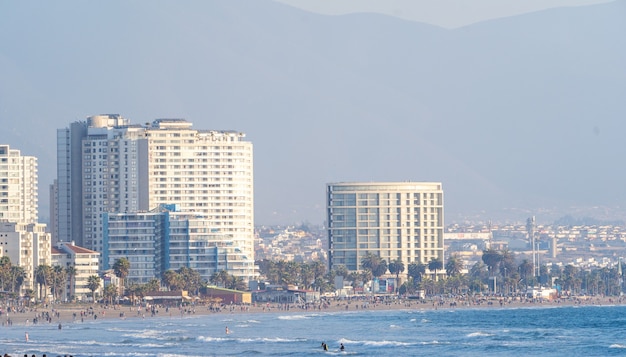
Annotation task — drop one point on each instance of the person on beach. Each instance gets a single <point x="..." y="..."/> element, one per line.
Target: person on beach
<point x="324" y="346"/>
<point x="26" y="336"/>
<point x="227" y="330"/>
<point x="342" y="348"/>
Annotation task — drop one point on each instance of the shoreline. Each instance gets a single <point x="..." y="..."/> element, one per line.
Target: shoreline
<point x="61" y="314"/>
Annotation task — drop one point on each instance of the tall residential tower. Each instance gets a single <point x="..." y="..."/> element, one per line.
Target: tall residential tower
<point x="18" y="186"/>
<point x="107" y="165"/>
<point x="389" y="219"/>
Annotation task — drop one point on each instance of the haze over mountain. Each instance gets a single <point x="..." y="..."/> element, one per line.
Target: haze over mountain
<point x="525" y="112"/>
<point x="443" y="13"/>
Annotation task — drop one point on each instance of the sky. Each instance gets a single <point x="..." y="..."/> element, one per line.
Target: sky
<point x="443" y="13"/>
<point x="514" y="114"/>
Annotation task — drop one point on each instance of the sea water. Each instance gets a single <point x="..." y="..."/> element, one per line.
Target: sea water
<point x="491" y="331"/>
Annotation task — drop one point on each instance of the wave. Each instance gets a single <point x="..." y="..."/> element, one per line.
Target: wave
<point x="617" y="345"/>
<point x="479" y="334"/>
<point x="380" y="343"/>
<point x="249" y="340"/>
<point x="294" y="317"/>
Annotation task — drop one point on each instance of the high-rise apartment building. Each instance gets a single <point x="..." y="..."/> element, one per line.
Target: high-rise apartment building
<point x="389" y="219"/>
<point x="28" y="246"/>
<point x="168" y="239"/>
<point x="107" y="165"/>
<point x="22" y="239"/>
<point x="18" y="186"/>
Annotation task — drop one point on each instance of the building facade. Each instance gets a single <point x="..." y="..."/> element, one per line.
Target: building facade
<point x="85" y="263"/>
<point x="168" y="239"/>
<point x="107" y="165"/>
<point x="393" y="220"/>
<point x="18" y="186"/>
<point x="28" y="246"/>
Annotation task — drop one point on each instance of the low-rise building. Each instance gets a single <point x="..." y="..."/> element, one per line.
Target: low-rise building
<point x="83" y="262"/>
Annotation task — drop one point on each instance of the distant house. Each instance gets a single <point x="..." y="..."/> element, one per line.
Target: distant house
<point x="287" y="296"/>
<point x="168" y="298"/>
<point x="227" y="296"/>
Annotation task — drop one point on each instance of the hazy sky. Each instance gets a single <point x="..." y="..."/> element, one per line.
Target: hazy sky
<point x="444" y="13"/>
<point x="513" y="116"/>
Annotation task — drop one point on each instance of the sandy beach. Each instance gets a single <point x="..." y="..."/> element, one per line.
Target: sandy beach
<point x="61" y="314"/>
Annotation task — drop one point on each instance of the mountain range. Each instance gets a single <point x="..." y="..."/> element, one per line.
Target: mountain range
<point x="515" y="116"/>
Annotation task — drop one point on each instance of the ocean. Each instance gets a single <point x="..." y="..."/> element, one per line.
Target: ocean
<point x="489" y="331"/>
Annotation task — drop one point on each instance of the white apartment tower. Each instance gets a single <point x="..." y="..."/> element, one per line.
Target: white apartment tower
<point x="389" y="219"/>
<point x="18" y="186"/>
<point x="108" y="165"/>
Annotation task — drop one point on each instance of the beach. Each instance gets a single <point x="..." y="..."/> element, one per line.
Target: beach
<point x="66" y="313"/>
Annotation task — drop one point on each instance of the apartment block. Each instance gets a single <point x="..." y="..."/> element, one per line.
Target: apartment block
<point x="107" y="165"/>
<point x="393" y="220"/>
<point x="168" y="239"/>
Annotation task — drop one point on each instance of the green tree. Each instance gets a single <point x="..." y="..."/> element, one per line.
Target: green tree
<point x="121" y="268"/>
<point x="416" y="271"/>
<point x="42" y="277"/>
<point x="70" y="272"/>
<point x="173" y="280"/>
<point x="454" y="266"/>
<point x="374" y="264"/>
<point x="434" y="265"/>
<point x="491" y="258"/>
<point x="526" y="272"/>
<point x="18" y="275"/>
<point x="396" y="267"/>
<point x="5" y="268"/>
<point x="58" y="279"/>
<point x="110" y="293"/>
<point x="192" y="281"/>
<point x="93" y="284"/>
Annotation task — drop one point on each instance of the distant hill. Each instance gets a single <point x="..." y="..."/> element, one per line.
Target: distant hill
<point x="526" y="111"/>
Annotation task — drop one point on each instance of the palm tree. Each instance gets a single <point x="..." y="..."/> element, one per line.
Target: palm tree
<point x="491" y="258"/>
<point x="42" y="277"/>
<point x="434" y="265"/>
<point x="454" y="265"/>
<point x="93" y="284"/>
<point x="417" y="271"/>
<point x="70" y="272"/>
<point x="110" y="293"/>
<point x="121" y="267"/>
<point x="58" y="280"/>
<point x="374" y="264"/>
<point x="5" y="268"/>
<point x="18" y="274"/>
<point x="173" y="280"/>
<point x="396" y="267"/>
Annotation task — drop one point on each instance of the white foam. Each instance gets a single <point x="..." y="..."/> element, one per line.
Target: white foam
<point x="479" y="334"/>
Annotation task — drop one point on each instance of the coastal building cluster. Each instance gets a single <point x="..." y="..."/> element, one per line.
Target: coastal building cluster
<point x="166" y="196"/>
<point x="582" y="245"/>
<point x="161" y="194"/>
<point x="300" y="244"/>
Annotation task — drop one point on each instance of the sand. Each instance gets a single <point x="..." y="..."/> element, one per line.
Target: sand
<point x="60" y="314"/>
